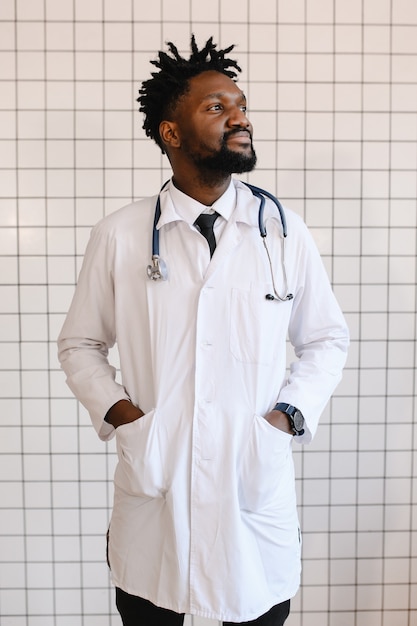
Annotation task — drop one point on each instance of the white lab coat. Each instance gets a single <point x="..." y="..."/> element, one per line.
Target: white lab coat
<point x="204" y="518"/>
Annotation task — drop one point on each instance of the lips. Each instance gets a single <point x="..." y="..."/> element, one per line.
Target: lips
<point x="241" y="137"/>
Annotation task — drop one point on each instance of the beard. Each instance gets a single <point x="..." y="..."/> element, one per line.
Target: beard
<point x="224" y="161"/>
<point x="229" y="162"/>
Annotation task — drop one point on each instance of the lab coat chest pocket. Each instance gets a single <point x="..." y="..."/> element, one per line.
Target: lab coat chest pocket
<point x="257" y="325"/>
<point x="266" y="472"/>
<point x="140" y="470"/>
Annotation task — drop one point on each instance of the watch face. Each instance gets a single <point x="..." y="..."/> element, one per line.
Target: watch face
<point x="298" y="420"/>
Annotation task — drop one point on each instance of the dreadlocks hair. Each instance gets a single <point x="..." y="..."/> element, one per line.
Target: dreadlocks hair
<point x="159" y="95"/>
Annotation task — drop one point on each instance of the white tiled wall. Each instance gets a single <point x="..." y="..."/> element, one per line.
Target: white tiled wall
<point x="332" y="87"/>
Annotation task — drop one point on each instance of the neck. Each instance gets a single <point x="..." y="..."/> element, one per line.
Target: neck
<point x="206" y="188"/>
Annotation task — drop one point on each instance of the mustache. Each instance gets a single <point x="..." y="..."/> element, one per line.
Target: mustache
<point x="236" y="131"/>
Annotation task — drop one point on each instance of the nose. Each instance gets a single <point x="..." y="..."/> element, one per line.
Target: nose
<point x="238" y="118"/>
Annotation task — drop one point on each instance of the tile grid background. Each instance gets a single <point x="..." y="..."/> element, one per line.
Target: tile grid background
<point x="332" y="89"/>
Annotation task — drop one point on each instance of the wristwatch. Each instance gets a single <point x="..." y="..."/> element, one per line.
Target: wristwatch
<point x="295" y="417"/>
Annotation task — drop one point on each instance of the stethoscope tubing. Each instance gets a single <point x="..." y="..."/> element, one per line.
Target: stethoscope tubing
<point x="261" y="194"/>
<point x="155" y="231"/>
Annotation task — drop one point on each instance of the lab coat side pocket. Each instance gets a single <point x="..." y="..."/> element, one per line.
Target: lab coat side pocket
<point x="265" y="472"/>
<point x="140" y="470"/>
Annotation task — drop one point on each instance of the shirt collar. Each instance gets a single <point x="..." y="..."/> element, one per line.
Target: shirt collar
<point x="176" y="205"/>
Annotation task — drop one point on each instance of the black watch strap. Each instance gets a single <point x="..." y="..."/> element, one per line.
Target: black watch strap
<point x="294" y="415"/>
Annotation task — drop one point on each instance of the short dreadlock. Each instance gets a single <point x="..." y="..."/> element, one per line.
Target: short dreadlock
<point x="159" y="95"/>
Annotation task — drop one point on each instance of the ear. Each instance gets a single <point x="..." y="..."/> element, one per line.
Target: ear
<point x="169" y="134"/>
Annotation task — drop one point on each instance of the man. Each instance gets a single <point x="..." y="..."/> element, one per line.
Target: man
<point x="204" y="518"/>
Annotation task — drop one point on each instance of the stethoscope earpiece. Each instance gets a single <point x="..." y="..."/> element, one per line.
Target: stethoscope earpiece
<point x="270" y="296"/>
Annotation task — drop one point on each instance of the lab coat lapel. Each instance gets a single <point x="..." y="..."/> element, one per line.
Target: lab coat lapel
<point x="246" y="212"/>
<point x="230" y="238"/>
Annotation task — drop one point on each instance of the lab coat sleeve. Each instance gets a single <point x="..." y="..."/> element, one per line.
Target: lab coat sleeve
<point x="319" y="336"/>
<point x="88" y="333"/>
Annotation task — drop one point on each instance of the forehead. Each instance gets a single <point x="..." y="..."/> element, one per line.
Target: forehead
<point x="211" y="83"/>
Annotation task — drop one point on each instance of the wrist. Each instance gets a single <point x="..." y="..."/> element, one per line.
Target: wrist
<point x="294" y="417"/>
<point x="279" y="420"/>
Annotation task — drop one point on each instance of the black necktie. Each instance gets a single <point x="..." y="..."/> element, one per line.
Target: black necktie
<point x="205" y="222"/>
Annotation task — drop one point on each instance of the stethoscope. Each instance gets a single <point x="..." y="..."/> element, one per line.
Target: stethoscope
<point x="158" y="269"/>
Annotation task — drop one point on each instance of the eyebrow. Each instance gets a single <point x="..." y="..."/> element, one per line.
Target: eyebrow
<point x="221" y="94"/>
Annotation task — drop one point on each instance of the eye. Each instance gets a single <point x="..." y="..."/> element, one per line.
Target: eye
<point x="215" y="107"/>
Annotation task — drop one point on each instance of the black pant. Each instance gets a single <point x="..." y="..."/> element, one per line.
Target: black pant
<point x="136" y="611"/>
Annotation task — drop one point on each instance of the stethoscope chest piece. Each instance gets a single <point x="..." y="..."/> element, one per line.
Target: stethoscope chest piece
<point x="158" y="270"/>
